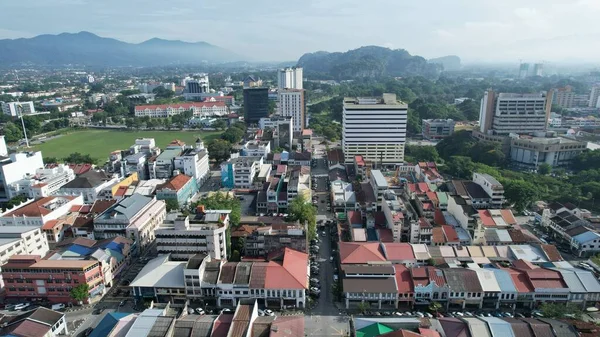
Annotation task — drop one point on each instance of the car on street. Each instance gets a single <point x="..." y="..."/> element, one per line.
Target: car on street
<point x="269" y="312"/>
<point x="199" y="311"/>
<point x="20" y="306"/>
<point x="87" y="331"/>
<point x="122" y="303"/>
<point x="97" y="311"/>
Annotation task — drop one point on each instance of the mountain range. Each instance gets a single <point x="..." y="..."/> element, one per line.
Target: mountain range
<point x="368" y="62"/>
<point x="88" y="49"/>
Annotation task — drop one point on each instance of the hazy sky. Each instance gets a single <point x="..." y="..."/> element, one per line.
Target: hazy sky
<point x="475" y="30"/>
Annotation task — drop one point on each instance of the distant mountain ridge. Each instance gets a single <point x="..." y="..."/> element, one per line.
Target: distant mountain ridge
<point x="85" y="48"/>
<point x="450" y="62"/>
<point x="367" y="62"/>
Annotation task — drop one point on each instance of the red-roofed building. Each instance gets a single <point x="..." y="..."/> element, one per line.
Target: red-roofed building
<point x="355" y="219"/>
<point x="197" y="108"/>
<point x="360" y="252"/>
<point x="229" y="100"/>
<point x="360" y="166"/>
<point x="399" y="252"/>
<point x="428" y="172"/>
<point x="429" y="284"/>
<point x="437" y="237"/>
<point x="180" y="188"/>
<point x="405" y="285"/>
<point x="40" y="211"/>
<point x="451" y="236"/>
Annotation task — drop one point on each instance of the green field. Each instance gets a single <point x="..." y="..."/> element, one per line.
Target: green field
<point x="100" y="143"/>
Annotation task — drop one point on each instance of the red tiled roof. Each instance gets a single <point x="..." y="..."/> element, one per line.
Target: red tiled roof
<point x="50" y="224"/>
<point x="552" y="253"/>
<point x="292" y="274"/>
<point x="176" y="183"/>
<point x="100" y="206"/>
<point x="403" y="279"/>
<point x="423" y="187"/>
<point x="438" y="217"/>
<point x="185" y="106"/>
<point x="75" y="208"/>
<point x="437" y="235"/>
<point x="508" y="216"/>
<point x="243" y="230"/>
<point x="307" y="132"/>
<point x="520" y="280"/>
<point x="428" y="205"/>
<point x="427" y="274"/>
<point x="29" y="328"/>
<point x="385" y="235"/>
<point x="397" y="251"/>
<point x="432" y="196"/>
<point x="287" y="326"/>
<point x="424" y="223"/>
<point x="486" y="218"/>
<point x="35" y="208"/>
<point x="80" y="168"/>
<point x="354" y="217"/>
<point x="85" y="209"/>
<point x="360" y="252"/>
<point x="429" y="332"/>
<point x="450" y="234"/>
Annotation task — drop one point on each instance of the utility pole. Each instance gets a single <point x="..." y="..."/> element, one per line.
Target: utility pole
<point x="20" y="112"/>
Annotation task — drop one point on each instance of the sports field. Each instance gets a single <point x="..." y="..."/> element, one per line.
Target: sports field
<point x="100" y="143"/>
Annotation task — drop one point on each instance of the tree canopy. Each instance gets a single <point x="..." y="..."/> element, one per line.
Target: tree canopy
<point x="219" y="150"/>
<point x="301" y="210"/>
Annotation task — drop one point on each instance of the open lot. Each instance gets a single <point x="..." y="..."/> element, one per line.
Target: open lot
<point x="99" y="143"/>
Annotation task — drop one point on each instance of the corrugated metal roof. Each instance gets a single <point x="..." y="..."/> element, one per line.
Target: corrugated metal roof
<point x="589" y="281"/>
<point x="477" y="327"/>
<point x="487" y="279"/>
<point x="504" y="280"/>
<point x="571" y="280"/>
<point x="519" y="328"/>
<point x="498" y="327"/>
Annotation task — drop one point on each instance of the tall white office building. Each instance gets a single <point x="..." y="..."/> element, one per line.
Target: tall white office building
<point x="291" y="104"/>
<point x="375" y="128"/>
<point x="505" y="113"/>
<point x="289" y="78"/>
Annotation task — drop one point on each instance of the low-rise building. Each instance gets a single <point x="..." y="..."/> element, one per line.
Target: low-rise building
<point x="343" y="197"/>
<point x="180" y="188"/>
<point x="163" y="166"/>
<point x="240" y="172"/>
<point x="135" y="218"/>
<point x="88" y="185"/>
<point x="198" y="109"/>
<point x="37" y="322"/>
<point x="194" y="163"/>
<point x="436" y="129"/>
<point x="256" y="148"/>
<point x="38" y="212"/>
<point x="492" y="187"/>
<point x="183" y="237"/>
<point x="260" y="241"/>
<point x="45" y="182"/>
<point x="28" y="277"/>
<point x="530" y="152"/>
<point x="14" y="166"/>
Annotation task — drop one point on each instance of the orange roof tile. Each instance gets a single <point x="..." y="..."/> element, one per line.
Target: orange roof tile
<point x="292" y="274"/>
<point x="359" y="252"/>
<point x="176" y="183"/>
<point x="36" y="208"/>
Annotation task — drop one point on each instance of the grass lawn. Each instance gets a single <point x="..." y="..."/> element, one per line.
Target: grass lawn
<point x="100" y="143"/>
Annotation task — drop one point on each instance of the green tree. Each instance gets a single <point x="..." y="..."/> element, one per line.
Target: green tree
<point x="363" y="307"/>
<point x="49" y="160"/>
<point x="12" y="133"/>
<point x="223" y="200"/>
<point x="233" y="135"/>
<point x="78" y="158"/>
<point x="81" y="292"/>
<point x="172" y="204"/>
<point x="302" y="210"/>
<point x="219" y="124"/>
<point x="520" y="193"/>
<point x="162" y="92"/>
<point x="556" y="310"/>
<point x="470" y="109"/>
<point x="435" y="307"/>
<point x="235" y="256"/>
<point x="422" y="153"/>
<point x="219" y="150"/>
<point x="544" y="169"/>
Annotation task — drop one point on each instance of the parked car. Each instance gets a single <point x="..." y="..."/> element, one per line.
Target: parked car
<point x="20" y="306"/>
<point x="269" y="312"/>
<point x="199" y="311"/>
<point x="58" y="306"/>
<point x="88" y="331"/>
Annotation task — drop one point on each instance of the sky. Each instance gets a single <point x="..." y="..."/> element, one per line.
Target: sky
<point x="283" y="30"/>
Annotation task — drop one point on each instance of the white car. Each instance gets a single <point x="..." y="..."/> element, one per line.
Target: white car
<point x="200" y="311"/>
<point x="269" y="312"/>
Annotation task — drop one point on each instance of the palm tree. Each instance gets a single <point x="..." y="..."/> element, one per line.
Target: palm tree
<point x="435" y="306"/>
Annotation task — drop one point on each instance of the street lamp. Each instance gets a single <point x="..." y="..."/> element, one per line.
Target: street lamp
<point x="20" y="113"/>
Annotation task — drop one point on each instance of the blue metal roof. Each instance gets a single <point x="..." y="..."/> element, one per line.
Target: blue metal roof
<point x="81" y="250"/>
<point x="107" y="324"/>
<point x="585" y="237"/>
<point x="504" y="280"/>
<point x="498" y="327"/>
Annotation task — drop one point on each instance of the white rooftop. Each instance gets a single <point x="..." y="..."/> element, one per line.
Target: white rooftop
<point x="161" y="273"/>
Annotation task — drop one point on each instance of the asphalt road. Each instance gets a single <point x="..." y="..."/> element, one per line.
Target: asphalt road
<point x="325" y="319"/>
